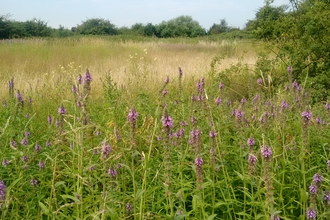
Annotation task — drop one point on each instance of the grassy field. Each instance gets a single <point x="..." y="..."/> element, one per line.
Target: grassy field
<point x="156" y="129"/>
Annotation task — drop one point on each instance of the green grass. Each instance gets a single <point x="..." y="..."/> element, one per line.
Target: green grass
<point x="156" y="176"/>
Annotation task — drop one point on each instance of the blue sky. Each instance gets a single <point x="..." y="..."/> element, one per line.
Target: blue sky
<point x="70" y="13"/>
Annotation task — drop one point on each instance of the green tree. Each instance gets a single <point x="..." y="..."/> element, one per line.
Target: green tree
<point x="219" y="28"/>
<point x="96" y="26"/>
<point x="182" y="26"/>
<point x="5" y="27"/>
<point x="36" y="28"/>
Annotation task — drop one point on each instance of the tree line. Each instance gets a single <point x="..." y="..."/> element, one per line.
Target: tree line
<point x="182" y="26"/>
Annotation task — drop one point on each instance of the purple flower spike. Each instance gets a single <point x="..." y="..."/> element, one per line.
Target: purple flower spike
<point x="199" y="161"/>
<point x="167" y="121"/>
<point x="327" y="106"/>
<point x="49" y="119"/>
<point x="252" y="159"/>
<point x="259" y="81"/>
<point x="132" y="115"/>
<point x="290" y="69"/>
<point x="180" y="72"/>
<point x="34" y="182"/>
<point x="221" y="86"/>
<point x="37" y="148"/>
<point x="87" y="77"/>
<point x="167" y="80"/>
<point x="129" y="207"/>
<point x="251" y="141"/>
<point x="213" y="134"/>
<point x="218" y="101"/>
<point x="313" y="189"/>
<point x="317" y="178"/>
<point x="311" y="214"/>
<point x="61" y="110"/>
<point x="266" y="152"/>
<point x="112" y="172"/>
<point x="306" y="115"/>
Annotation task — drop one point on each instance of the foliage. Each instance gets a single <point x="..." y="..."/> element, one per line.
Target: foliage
<point x="96" y="26"/>
<point x="182" y="26"/>
<point x="219" y="28"/>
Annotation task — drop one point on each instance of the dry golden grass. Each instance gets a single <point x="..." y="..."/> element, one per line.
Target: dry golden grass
<point x="35" y="62"/>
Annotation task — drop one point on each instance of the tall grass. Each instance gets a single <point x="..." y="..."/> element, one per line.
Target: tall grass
<point x="178" y="144"/>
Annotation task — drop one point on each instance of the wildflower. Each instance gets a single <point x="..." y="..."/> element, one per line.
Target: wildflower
<point x="183" y="123"/>
<point x="49" y="119"/>
<point x="3" y="189"/>
<point x="48" y="144"/>
<point x="266" y="152"/>
<point x="132" y="115"/>
<point x="180" y="72"/>
<point x="12" y="143"/>
<point x="25" y="158"/>
<point x="199" y="161"/>
<point x="112" y="172"/>
<point x="213" y="134"/>
<point x="165" y="92"/>
<point x="228" y="102"/>
<point x="19" y="97"/>
<point x="285" y="105"/>
<point x="34" y="182"/>
<point x="87" y="77"/>
<point x="313" y="189"/>
<point x="79" y="79"/>
<point x="41" y="164"/>
<point x="317" y="178"/>
<point x="306" y="115"/>
<point x="167" y="80"/>
<point x="295" y="85"/>
<point x="27" y="134"/>
<point x="218" y="101"/>
<point x="129" y="207"/>
<point x="252" y="159"/>
<point x="25" y="141"/>
<point x="326" y="197"/>
<point x="259" y="81"/>
<point x="290" y="69"/>
<point x="61" y="110"/>
<point x="243" y="101"/>
<point x="5" y="162"/>
<point x="328" y="163"/>
<point x="167" y="121"/>
<point x="251" y="141"/>
<point x="37" y="148"/>
<point x="106" y="149"/>
<point x="74" y="89"/>
<point x="327" y="106"/>
<point x="221" y="86"/>
<point x="318" y="120"/>
<point x="311" y="214"/>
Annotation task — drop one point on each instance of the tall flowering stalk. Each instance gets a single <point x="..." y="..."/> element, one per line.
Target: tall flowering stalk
<point x="3" y="189"/>
<point x="213" y="134"/>
<point x="199" y="172"/>
<point x="167" y="124"/>
<point x="267" y="155"/>
<point x="11" y="87"/>
<point x="180" y="80"/>
<point x="132" y="118"/>
<point x="314" y="190"/>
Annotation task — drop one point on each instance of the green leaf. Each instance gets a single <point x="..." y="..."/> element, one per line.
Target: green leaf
<point x="179" y="217"/>
<point x="211" y="217"/>
<point x="70" y="197"/>
<point x="44" y="208"/>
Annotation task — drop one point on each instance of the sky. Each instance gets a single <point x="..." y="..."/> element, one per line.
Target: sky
<point x="70" y="13"/>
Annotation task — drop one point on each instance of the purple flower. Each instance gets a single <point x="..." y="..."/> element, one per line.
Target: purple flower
<point x="167" y="121"/>
<point x="317" y="178"/>
<point x="199" y="161"/>
<point x="49" y="119"/>
<point x="106" y="149"/>
<point x="25" y="141"/>
<point x="34" y="182"/>
<point x="243" y="101"/>
<point x="61" y="110"/>
<point x="306" y="115"/>
<point x="112" y="172"/>
<point x="290" y="69"/>
<point x="167" y="80"/>
<point x="41" y="164"/>
<point x="79" y="79"/>
<point x="326" y="196"/>
<point x="285" y="105"/>
<point x="313" y="189"/>
<point x="5" y="162"/>
<point x="218" y="101"/>
<point x="183" y="123"/>
<point x="87" y="77"/>
<point x="328" y="163"/>
<point x="37" y="148"/>
<point x="129" y="207"/>
<point x="48" y="144"/>
<point x="165" y="92"/>
<point x="19" y="97"/>
<point x="27" y="134"/>
<point x="327" y="106"/>
<point x="74" y="89"/>
<point x="25" y="158"/>
<point x="274" y="217"/>
<point x="252" y="159"/>
<point x="311" y="214"/>
<point x="132" y="115"/>
<point x="266" y="152"/>
<point x="3" y="189"/>
<point x="259" y="81"/>
<point x="251" y="141"/>
<point x="221" y="86"/>
<point x="12" y="143"/>
<point x="213" y="134"/>
<point x="180" y="72"/>
<point x="318" y="120"/>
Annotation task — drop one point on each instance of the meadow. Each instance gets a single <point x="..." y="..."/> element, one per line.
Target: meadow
<point x="116" y="128"/>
